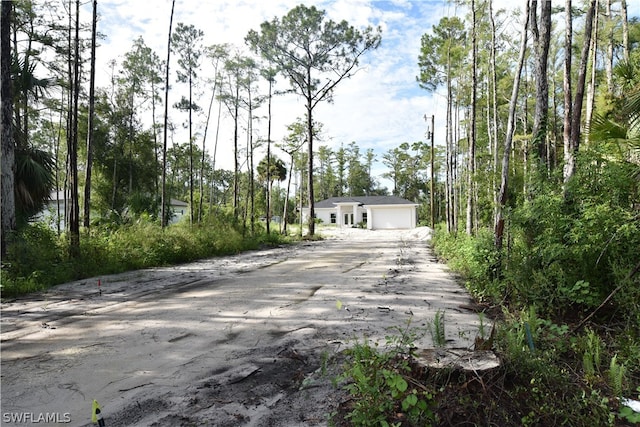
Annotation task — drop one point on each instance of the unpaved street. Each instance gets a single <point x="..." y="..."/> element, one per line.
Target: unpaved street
<point x="247" y="340"/>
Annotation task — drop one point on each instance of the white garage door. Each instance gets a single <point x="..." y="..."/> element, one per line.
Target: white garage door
<point x="391" y="218"/>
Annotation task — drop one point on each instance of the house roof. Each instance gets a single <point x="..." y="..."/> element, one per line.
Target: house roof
<point x="363" y="200"/>
<point x="176" y="202"/>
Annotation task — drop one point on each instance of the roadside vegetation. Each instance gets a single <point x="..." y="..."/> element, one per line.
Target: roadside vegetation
<point x="540" y="220"/>
<point x="564" y="293"/>
<point x="38" y="258"/>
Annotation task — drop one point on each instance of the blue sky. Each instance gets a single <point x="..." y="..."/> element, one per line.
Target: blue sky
<point x="380" y="107"/>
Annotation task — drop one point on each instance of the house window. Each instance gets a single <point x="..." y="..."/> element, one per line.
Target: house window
<point x="364" y="217"/>
<point x="346" y="219"/>
<point x="333" y="218"/>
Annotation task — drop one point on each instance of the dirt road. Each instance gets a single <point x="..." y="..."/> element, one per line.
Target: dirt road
<point x="247" y="340"/>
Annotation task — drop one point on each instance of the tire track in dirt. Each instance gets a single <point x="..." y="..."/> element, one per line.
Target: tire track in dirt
<point x="250" y="340"/>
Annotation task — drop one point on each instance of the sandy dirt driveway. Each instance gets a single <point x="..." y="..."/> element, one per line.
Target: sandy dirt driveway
<point x="247" y="340"/>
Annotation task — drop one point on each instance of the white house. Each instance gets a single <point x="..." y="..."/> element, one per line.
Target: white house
<point x="178" y="209"/>
<point x="54" y="210"/>
<point x="374" y="212"/>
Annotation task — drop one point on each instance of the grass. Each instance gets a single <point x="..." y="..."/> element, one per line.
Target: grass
<point x="37" y="257"/>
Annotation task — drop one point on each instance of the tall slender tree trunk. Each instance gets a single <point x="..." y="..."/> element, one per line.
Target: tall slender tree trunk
<point x="625" y="30"/>
<point x="215" y="151"/>
<point x="610" y="42"/>
<point x="286" y="198"/>
<point x="8" y="161"/>
<point x="204" y="140"/>
<point x="591" y="87"/>
<point x="156" y="181"/>
<point x="236" y="163"/>
<point x="511" y="126"/>
<point x="74" y="212"/>
<point x="56" y="154"/>
<point x="130" y="136"/>
<point x="269" y="158"/>
<point x="472" y="130"/>
<point x="252" y="198"/>
<point x="164" y="201"/>
<point x="576" y="115"/>
<point x="568" y="103"/>
<point x="312" y="214"/>
<point x="90" y="130"/>
<point x="494" y="102"/>
<point x="301" y="198"/>
<point x="191" y="216"/>
<point x="542" y="39"/>
<point x="450" y="200"/>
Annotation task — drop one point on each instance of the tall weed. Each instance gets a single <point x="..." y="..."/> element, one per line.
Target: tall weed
<point x="38" y="258"/>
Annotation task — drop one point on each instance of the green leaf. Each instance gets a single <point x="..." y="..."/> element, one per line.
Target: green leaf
<point x="409" y="402"/>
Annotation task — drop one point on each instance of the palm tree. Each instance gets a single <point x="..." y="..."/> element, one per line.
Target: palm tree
<point x="34" y="167"/>
<point x="621" y="125"/>
<point x="275" y="171"/>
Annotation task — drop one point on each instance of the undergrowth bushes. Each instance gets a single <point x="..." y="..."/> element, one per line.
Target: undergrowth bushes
<point x="563" y="262"/>
<point x="37" y="259"/>
<point x="562" y="258"/>
<point x="547" y="377"/>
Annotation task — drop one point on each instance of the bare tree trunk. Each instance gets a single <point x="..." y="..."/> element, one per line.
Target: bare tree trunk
<point x="542" y="38"/>
<point x="591" y="87"/>
<point x="301" y="188"/>
<point x="568" y="104"/>
<point x="609" y="61"/>
<point x="8" y="200"/>
<point x="56" y="154"/>
<point x="191" y="216"/>
<point x="155" y="141"/>
<point x="494" y="100"/>
<point x="577" y="104"/>
<point x="74" y="212"/>
<point x="625" y="30"/>
<point x="269" y="158"/>
<point x="90" y="130"/>
<point x="163" y="210"/>
<point x="215" y="150"/>
<point x="312" y="222"/>
<point x="286" y="198"/>
<point x="472" y="131"/>
<point x="252" y="197"/>
<point x="236" y="164"/>
<point x="204" y="140"/>
<point x="511" y="125"/>
<point x="450" y="209"/>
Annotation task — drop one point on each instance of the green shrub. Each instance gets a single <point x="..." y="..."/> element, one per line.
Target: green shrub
<point x="35" y="261"/>
<point x="473" y="257"/>
<point x="38" y="257"/>
<point x="379" y="382"/>
<point x="544" y="386"/>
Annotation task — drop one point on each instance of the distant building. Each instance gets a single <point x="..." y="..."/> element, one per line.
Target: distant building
<point x="374" y="212"/>
<point x="178" y="209"/>
<point x="54" y="210"/>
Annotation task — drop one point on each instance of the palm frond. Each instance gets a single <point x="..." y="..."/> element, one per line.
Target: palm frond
<point x="34" y="180"/>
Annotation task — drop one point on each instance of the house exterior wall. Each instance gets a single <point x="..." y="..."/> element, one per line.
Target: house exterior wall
<point x="381" y="217"/>
<point x="336" y="216"/>
<point x="54" y="211"/>
<point x="323" y="215"/>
